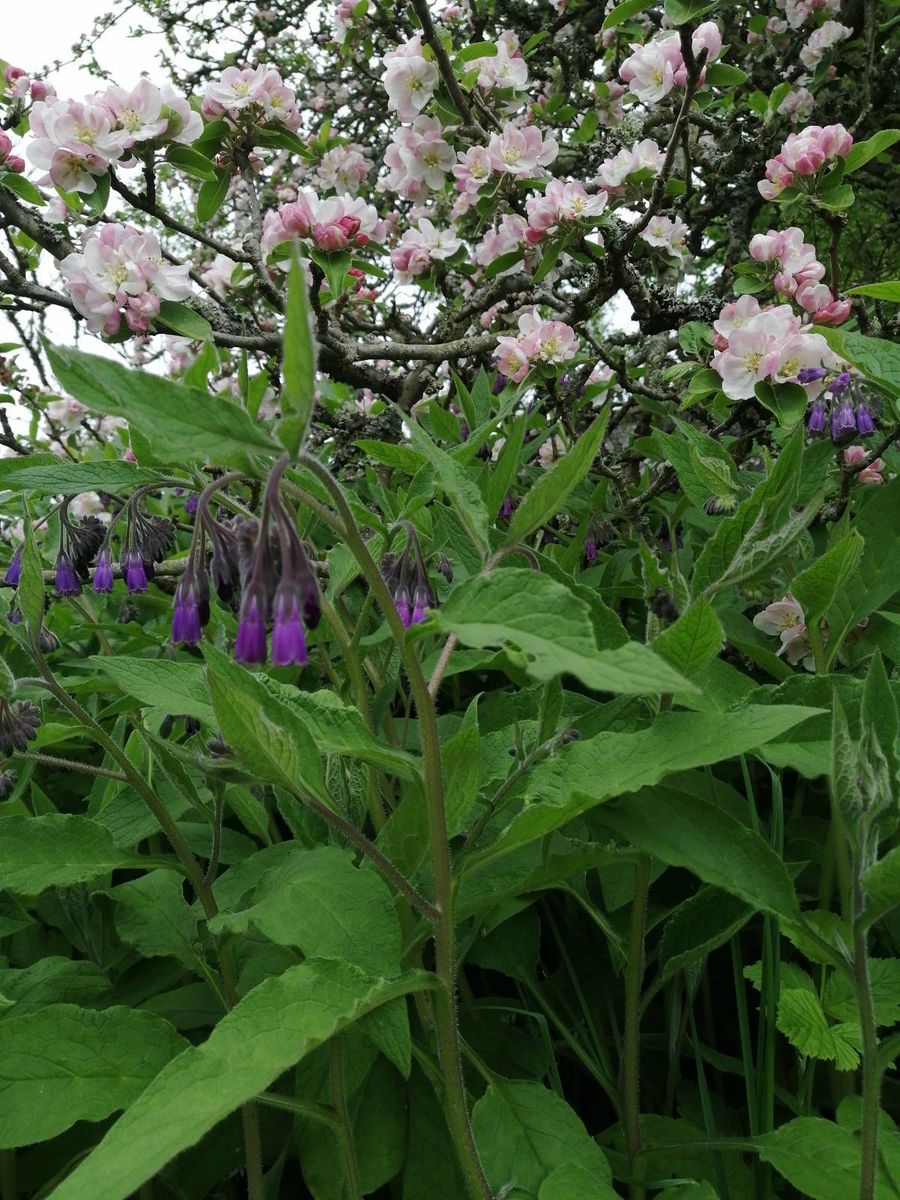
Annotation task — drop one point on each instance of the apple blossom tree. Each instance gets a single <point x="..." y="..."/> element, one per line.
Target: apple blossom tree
<point x="451" y="637"/>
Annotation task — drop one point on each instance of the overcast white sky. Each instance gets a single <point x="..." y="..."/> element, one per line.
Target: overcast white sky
<point x="38" y="33"/>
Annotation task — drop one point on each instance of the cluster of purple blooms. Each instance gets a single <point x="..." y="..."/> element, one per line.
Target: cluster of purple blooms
<point x="407" y="578"/>
<point x="265" y="564"/>
<point x="842" y="409"/>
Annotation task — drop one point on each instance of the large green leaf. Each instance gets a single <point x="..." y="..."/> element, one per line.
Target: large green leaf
<point x="524" y="1132"/>
<point x="863" y="152"/>
<point x="271" y="738"/>
<point x="177" y="687"/>
<point x="547" y="631"/>
<point x="51" y="980"/>
<point x="819" y="584"/>
<point x="546" y="497"/>
<point x="270" y="1030"/>
<point x="153" y="916"/>
<point x="877" y="576"/>
<point x="460" y="489"/>
<point x="55" y="850"/>
<point x="188" y="423"/>
<point x="684" y="831"/>
<point x="64" y="1064"/>
<point x="595" y="770"/>
<point x="877" y="358"/>
<point x="45" y="473"/>
<point x="321" y="903"/>
<point x="822" y="1159"/>
<point x="694" y="640"/>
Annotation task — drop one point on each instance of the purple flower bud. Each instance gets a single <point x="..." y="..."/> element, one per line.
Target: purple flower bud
<point x="190" y="505"/>
<point x="839" y="384"/>
<point x="187" y="618"/>
<point x="14" y="616"/>
<point x="590" y="547"/>
<point x="250" y="643"/>
<point x="817" y="419"/>
<point x="810" y="374"/>
<point x="499" y="384"/>
<point x="445" y="568"/>
<point x="865" y="422"/>
<point x="422" y="599"/>
<point x="463" y="431"/>
<point x="135" y="572"/>
<point x="18" y="725"/>
<point x="404" y="609"/>
<point x="288" y="638"/>
<point x="843" y="422"/>
<point x="103" y="573"/>
<point x="67" y="582"/>
<point x="506" y="507"/>
<point x="14" y="570"/>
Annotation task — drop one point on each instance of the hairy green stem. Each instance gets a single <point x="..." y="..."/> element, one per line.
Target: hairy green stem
<point x="446" y="1014"/>
<point x="344" y="1125"/>
<point x="631" y="1049"/>
<point x="871" y="1069"/>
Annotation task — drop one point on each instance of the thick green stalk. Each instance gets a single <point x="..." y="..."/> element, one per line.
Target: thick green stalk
<point x="446" y="1014"/>
<point x="871" y="1070"/>
<point x="631" y="1048"/>
<point x="344" y="1125"/>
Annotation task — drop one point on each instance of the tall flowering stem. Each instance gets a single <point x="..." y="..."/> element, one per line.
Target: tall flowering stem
<point x="446" y="1010"/>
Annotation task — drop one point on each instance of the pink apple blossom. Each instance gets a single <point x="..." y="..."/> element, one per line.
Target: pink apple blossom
<point x="521" y="151"/>
<point x="409" y="79"/>
<point x="121" y="272"/>
<point x="822" y="39"/>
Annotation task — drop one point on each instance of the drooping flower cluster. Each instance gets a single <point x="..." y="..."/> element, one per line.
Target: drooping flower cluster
<point x="407" y="578"/>
<point x="840" y="405"/>
<point x="798" y="274"/>
<point x="19" y="723"/>
<point x="755" y="344"/>
<point x="803" y="154"/>
<point x="119" y="273"/>
<point x="658" y="65"/>
<point x="278" y="587"/>
<point x="257" y="95"/>
<point x="538" y="341"/>
<point x="334" y="223"/>
<point x="76" y="141"/>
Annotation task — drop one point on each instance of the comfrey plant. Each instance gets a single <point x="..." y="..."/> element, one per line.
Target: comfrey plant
<point x="450" y="687"/>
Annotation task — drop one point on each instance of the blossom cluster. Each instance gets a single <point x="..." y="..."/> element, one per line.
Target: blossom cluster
<point x="657" y="66"/>
<point x="334" y="223"/>
<point x="756" y="344"/>
<point x="257" y="92"/>
<point x="120" y="272"/>
<point x="803" y="154"/>
<point x="538" y="341"/>
<point x="799" y="273"/>
<point x="76" y="141"/>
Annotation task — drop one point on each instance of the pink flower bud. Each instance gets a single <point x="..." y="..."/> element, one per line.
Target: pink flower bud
<point x="5" y="146"/>
<point x="14" y="163"/>
<point x="39" y="90"/>
<point x="129" y="456"/>
<point x="764" y="246"/>
<point x="13" y="73"/>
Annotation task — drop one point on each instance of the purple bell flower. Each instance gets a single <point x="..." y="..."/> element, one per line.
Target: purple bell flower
<point x="288" y="638"/>
<point x="67" y="582"/>
<point x="839" y="384"/>
<point x="188" y="614"/>
<point x="403" y="606"/>
<point x="250" y="643"/>
<point x="865" y="422"/>
<point x="843" y="422"/>
<point x="818" y="419"/>
<point x="506" y="508"/>
<point x="135" y="572"/>
<point x="811" y="374"/>
<point x="190" y="505"/>
<point x="14" y="570"/>
<point x="103" y="572"/>
<point x="422" y="599"/>
<point x="590" y="547"/>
